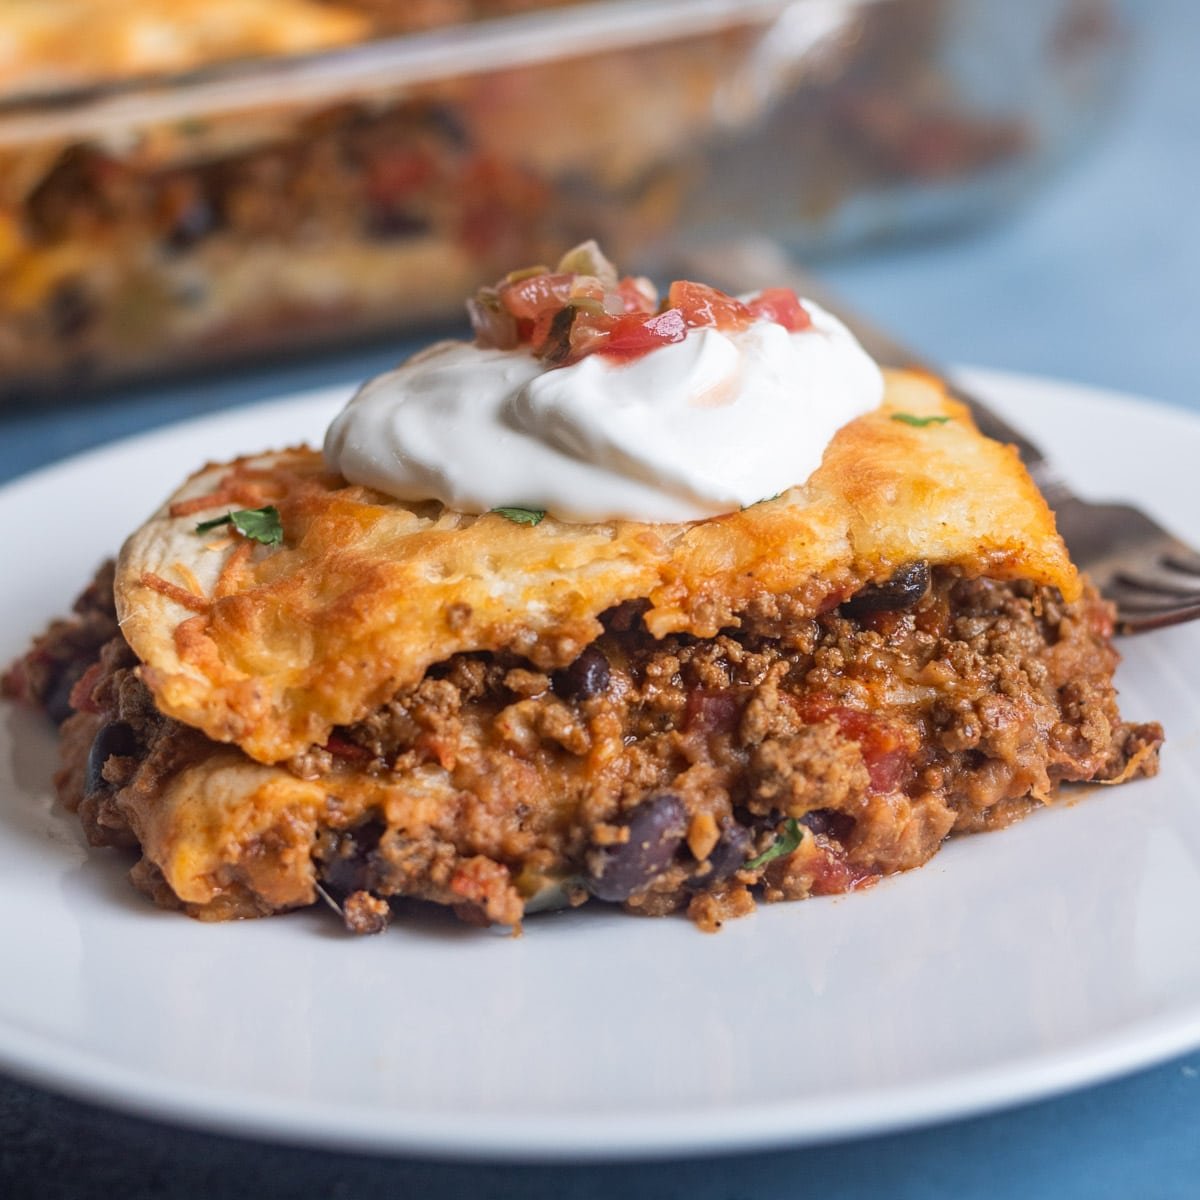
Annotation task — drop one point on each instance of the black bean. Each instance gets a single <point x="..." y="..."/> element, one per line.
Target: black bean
<point x="830" y="822"/>
<point x="903" y="590"/>
<point x="348" y="867"/>
<point x="656" y="828"/>
<point x="587" y="676"/>
<point x="736" y="845"/>
<point x="57" y="698"/>
<point x="114" y="739"/>
<point x="733" y="848"/>
<point x="626" y="616"/>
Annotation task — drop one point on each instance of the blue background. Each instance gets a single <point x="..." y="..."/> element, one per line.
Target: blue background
<point x="1098" y="281"/>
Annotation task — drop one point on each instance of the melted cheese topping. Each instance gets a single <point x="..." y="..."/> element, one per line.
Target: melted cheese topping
<point x="61" y="43"/>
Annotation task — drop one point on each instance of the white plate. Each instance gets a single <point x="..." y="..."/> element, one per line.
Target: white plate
<point x="1059" y="952"/>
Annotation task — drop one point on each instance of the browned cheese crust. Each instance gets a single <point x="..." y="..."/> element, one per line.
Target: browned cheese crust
<point x="64" y="43"/>
<point x="271" y="648"/>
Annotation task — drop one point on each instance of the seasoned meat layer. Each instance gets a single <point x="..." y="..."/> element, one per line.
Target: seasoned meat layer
<point x="803" y="755"/>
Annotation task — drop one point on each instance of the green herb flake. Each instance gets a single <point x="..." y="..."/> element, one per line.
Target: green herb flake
<point x="522" y="516"/>
<point x="764" y="500"/>
<point x="785" y="843"/>
<point x="258" y="524"/>
<point x="918" y="422"/>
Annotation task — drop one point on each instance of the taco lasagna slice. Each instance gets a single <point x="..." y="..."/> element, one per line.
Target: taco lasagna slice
<point x="295" y="686"/>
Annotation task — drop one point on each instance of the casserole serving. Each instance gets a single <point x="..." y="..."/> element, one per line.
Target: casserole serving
<point x="295" y="685"/>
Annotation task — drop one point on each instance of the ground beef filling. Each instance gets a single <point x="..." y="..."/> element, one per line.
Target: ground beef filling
<point x="799" y="755"/>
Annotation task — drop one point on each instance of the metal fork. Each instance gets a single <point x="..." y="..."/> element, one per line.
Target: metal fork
<point x="1151" y="576"/>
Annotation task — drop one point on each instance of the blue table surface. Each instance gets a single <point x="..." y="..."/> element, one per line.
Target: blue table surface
<point x="1097" y="281"/>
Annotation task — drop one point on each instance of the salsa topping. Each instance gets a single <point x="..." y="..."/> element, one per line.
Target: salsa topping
<point x="558" y="407"/>
<point x="583" y="307"/>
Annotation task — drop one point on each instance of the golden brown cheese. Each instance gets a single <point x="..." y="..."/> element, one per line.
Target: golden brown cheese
<point x="270" y="648"/>
<point x="65" y="43"/>
<point x="233" y="838"/>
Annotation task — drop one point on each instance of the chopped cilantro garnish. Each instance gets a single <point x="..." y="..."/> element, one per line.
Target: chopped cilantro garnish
<point x="257" y="524"/>
<point x="522" y="516"/>
<point x="785" y="843"/>
<point x="919" y="422"/>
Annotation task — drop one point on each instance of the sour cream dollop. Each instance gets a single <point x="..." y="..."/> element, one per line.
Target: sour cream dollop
<point x="700" y="427"/>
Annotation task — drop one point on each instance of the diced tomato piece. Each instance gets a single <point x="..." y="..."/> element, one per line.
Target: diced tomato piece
<point x="81" y="694"/>
<point x="702" y="305"/>
<point x="343" y="748"/>
<point x="887" y="763"/>
<point x="635" y="334"/>
<point x="832" y="875"/>
<point x="637" y="295"/>
<point x="589" y="333"/>
<point x="783" y="306"/>
<point x="527" y="299"/>
<point x="530" y="306"/>
<point x="884" y="750"/>
<point x="539" y="329"/>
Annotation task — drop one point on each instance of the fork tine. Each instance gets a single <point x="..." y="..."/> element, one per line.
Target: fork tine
<point x="1177" y="562"/>
<point x="1128" y="622"/>
<point x="1140" y="583"/>
<point x="1157" y="604"/>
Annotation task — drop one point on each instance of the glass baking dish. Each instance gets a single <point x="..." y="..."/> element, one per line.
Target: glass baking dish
<point x="255" y="206"/>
